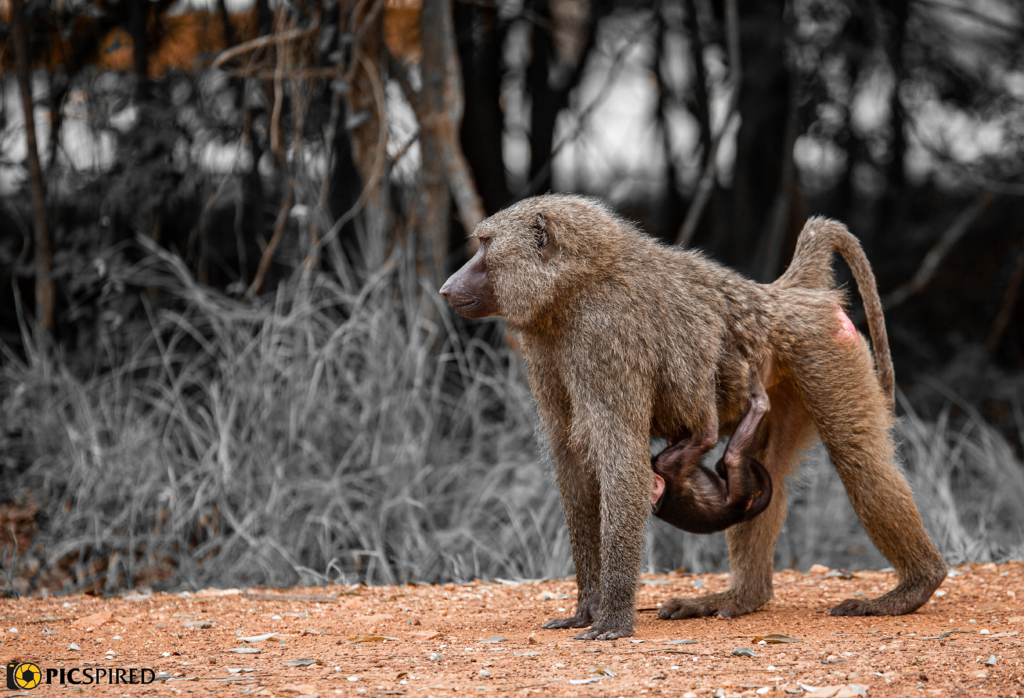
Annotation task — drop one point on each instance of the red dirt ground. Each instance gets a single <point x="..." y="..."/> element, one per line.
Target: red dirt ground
<point x="966" y="641"/>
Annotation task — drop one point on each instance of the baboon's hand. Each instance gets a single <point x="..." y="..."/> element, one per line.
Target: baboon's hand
<point x="604" y="632"/>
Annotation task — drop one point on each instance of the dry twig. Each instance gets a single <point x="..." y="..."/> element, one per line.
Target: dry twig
<point x="1006" y="307"/>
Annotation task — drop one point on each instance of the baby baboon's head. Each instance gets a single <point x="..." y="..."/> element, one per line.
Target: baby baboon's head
<point x="533" y="257"/>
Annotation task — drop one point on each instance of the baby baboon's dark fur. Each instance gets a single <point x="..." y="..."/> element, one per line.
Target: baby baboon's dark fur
<point x="700" y="501"/>
<point x="626" y="338"/>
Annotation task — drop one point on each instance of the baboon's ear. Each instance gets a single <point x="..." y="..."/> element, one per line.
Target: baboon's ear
<point x="540" y="231"/>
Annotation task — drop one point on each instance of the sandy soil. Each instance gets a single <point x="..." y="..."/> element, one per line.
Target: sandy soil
<point x="485" y="638"/>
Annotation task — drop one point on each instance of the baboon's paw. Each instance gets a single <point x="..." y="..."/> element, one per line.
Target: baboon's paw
<point x="571" y="622"/>
<point x="857" y="607"/>
<point x="724" y="605"/>
<point x="677" y="609"/>
<point x="905" y="598"/>
<point x="604" y="632"/>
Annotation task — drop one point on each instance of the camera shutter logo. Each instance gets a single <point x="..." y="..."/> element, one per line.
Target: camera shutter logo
<point x="23" y="675"/>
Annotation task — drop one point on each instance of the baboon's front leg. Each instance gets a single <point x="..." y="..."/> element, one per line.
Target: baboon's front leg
<point x="581" y="500"/>
<point x="622" y="462"/>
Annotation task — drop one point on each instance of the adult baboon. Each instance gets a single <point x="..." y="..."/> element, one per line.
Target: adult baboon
<point x="624" y="338"/>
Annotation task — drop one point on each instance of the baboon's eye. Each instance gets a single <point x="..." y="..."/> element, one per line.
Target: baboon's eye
<point x="540" y="231"/>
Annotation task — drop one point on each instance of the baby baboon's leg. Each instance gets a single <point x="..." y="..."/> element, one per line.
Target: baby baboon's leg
<point x="752" y="543"/>
<point x="748" y="482"/>
<point x="853" y="417"/>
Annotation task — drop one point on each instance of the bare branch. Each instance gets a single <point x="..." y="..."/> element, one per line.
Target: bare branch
<point x="937" y="253"/>
<point x="261" y="41"/>
<point x="44" y="253"/>
<point x="275" y="240"/>
<point x="1006" y="307"/>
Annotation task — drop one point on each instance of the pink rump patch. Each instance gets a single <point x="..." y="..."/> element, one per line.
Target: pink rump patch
<point x="847" y="333"/>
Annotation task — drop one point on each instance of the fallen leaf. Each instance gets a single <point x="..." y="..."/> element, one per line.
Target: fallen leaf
<point x="300" y="662"/>
<point x="257" y="638"/>
<point x="495" y="638"/>
<point x="95" y="620"/>
<point x="245" y="650"/>
<point x="369" y="638"/>
<point x="196" y="624"/>
<point x="680" y="642"/>
<point x="991" y="660"/>
<point x="75" y="648"/>
<point x="424" y="636"/>
<point x="578" y="682"/>
<point x="219" y="592"/>
<point x="401" y="675"/>
<point x="602" y="671"/>
<point x="744" y="652"/>
<point x="532" y="640"/>
<point x="776" y="639"/>
<point x="817" y="569"/>
<point x="376" y="618"/>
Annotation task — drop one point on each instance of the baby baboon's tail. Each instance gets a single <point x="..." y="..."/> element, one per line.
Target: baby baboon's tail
<point x="812" y="268"/>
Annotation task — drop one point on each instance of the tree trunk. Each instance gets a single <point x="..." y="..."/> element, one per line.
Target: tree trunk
<point x="764" y="109"/>
<point x="45" y="299"/>
<point x="139" y="47"/>
<point x="483" y="123"/>
<point x="435" y="200"/>
<point x="545" y="102"/>
<point x="365" y="91"/>
<point x="673" y="205"/>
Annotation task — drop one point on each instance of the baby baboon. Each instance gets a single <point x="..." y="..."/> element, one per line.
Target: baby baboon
<point x="691" y="497"/>
<point x="626" y="339"/>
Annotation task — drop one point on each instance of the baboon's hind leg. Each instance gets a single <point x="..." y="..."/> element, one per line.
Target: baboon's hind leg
<point x="855" y="430"/>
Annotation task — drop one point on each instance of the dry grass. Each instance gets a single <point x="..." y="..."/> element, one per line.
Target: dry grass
<point x="315" y="435"/>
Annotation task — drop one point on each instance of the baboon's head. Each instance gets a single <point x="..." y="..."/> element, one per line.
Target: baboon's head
<point x="533" y="257"/>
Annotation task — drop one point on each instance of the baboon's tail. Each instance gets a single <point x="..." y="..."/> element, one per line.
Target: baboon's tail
<point x="812" y="268"/>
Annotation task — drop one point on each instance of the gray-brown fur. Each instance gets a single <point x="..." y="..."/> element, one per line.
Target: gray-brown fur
<point x="624" y="338"/>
